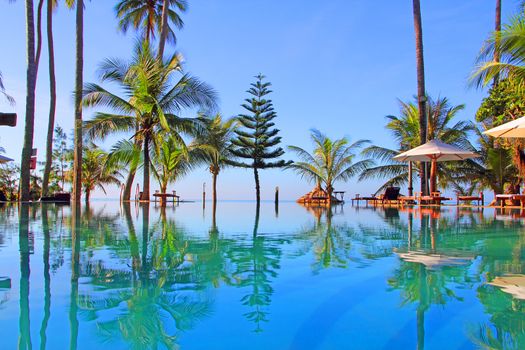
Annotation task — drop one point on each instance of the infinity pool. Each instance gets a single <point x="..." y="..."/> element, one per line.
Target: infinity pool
<point x="288" y="278"/>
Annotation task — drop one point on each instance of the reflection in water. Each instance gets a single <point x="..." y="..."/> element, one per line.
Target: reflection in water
<point x="47" y="276"/>
<point x="256" y="262"/>
<point x="76" y="231"/>
<point x="146" y="279"/>
<point x="24" y="339"/>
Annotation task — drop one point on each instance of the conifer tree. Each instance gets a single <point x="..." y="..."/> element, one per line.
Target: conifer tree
<point x="257" y="138"/>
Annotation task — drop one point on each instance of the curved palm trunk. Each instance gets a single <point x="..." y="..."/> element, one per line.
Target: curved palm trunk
<point x="421" y="97"/>
<point x="164" y="27"/>
<point x="38" y="34"/>
<point x="52" y="99"/>
<point x="129" y="185"/>
<point x="145" y="185"/>
<point x="77" y="162"/>
<point x="257" y="186"/>
<point x="25" y="172"/>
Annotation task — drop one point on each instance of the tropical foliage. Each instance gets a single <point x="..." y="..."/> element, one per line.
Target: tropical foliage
<point x="145" y="16"/>
<point x="405" y="131"/>
<point x="152" y="101"/>
<point x="330" y="161"/>
<point x="214" y="143"/>
<point x="97" y="172"/>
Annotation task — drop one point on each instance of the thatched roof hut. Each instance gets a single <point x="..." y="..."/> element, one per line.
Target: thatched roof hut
<point x="317" y="196"/>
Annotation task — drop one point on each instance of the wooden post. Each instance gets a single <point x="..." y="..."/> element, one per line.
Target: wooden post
<point x="204" y="195"/>
<point x="277" y="201"/>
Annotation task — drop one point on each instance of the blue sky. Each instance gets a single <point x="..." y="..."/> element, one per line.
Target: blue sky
<point x="335" y="65"/>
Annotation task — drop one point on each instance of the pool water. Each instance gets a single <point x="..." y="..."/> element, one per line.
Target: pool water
<point x="144" y="277"/>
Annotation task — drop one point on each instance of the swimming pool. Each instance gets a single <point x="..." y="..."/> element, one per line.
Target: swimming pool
<point x="290" y="277"/>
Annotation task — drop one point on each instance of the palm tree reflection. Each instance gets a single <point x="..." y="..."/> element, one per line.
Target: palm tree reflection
<point x="160" y="294"/>
<point x="24" y="340"/>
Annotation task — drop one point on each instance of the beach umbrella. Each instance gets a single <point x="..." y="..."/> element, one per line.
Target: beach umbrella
<point x="434" y="151"/>
<point x="4" y="159"/>
<point x="515" y="128"/>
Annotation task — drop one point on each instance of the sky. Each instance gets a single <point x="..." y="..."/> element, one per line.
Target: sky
<point x="337" y="65"/>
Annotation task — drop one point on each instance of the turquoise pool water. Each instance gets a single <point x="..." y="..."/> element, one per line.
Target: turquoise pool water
<point x="143" y="277"/>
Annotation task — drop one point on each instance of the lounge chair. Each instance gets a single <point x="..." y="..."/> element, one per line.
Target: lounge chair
<point x="503" y="198"/>
<point x="391" y="195"/>
<point x="433" y="198"/>
<point x="479" y="199"/>
<point x="371" y="198"/>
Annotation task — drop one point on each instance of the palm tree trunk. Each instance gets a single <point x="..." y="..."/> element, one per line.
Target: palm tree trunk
<point x="38" y="34"/>
<point x="129" y="184"/>
<point x="433" y="175"/>
<point x="25" y="171"/>
<point x="145" y="185"/>
<point x="214" y="183"/>
<point x="77" y="162"/>
<point x="88" y="195"/>
<point x="257" y="186"/>
<point x="421" y="96"/>
<point x="497" y="29"/>
<point x="164" y="27"/>
<point x="329" y="190"/>
<point x="52" y="99"/>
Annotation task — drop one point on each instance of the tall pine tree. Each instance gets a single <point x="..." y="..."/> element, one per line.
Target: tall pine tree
<point x="257" y="139"/>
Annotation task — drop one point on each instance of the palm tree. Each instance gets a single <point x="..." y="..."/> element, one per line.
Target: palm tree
<point x="30" y="104"/>
<point x="331" y="160"/>
<point x="492" y="170"/>
<point x="405" y="129"/>
<point x="79" y="81"/>
<point x="127" y="154"/>
<point x="214" y="142"/>
<point x="170" y="161"/>
<point x="508" y="45"/>
<point x="150" y="102"/>
<point x="151" y="17"/>
<point x="96" y="171"/>
<point x="51" y="5"/>
<point x="421" y="92"/>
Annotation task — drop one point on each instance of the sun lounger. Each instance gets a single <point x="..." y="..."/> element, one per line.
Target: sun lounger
<point x="391" y="195"/>
<point x="371" y="198"/>
<point x="479" y="199"/>
<point x="434" y="198"/>
<point x="503" y="198"/>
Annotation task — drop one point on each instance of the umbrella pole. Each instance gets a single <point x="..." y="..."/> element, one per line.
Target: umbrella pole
<point x="410" y="188"/>
<point x="433" y="171"/>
